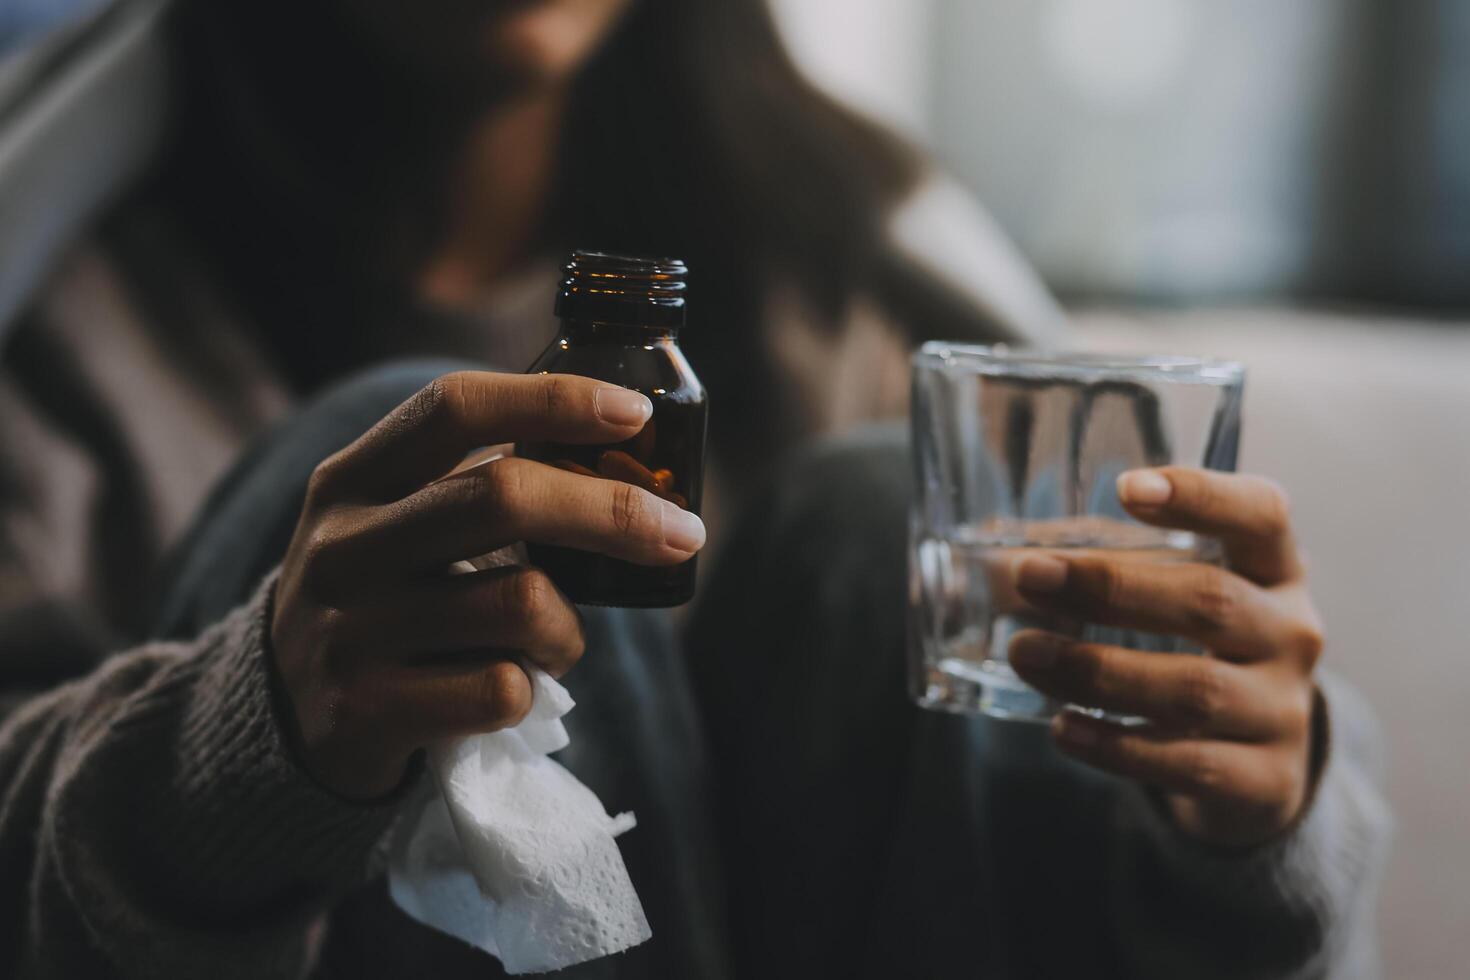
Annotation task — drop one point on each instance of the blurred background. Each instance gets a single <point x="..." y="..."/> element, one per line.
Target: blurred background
<point x="1286" y="184"/>
<point x="1183" y="151"/>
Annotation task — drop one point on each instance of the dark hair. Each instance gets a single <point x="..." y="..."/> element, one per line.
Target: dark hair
<point x="691" y="133"/>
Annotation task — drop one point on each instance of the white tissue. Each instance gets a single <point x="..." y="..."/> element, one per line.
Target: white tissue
<point x="513" y="854"/>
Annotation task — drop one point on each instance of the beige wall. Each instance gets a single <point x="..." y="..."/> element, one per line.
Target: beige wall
<point x="874" y="54"/>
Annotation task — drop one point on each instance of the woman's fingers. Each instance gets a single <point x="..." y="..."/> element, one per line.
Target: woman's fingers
<point x="512" y="608"/>
<point x="376" y="718"/>
<point x="1243" y="773"/>
<point x="423" y="704"/>
<point x="1229" y="736"/>
<point x="425" y="437"/>
<point x="1178" y="693"/>
<point x="478" y="510"/>
<point x="1249" y="514"/>
<point x="1233" y="617"/>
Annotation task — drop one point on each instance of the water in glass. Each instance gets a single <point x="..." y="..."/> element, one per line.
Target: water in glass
<point x="1018" y="455"/>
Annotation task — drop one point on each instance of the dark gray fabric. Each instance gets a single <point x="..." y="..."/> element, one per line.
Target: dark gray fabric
<point x="901" y="837"/>
<point x="797" y="816"/>
<point x="866" y="838"/>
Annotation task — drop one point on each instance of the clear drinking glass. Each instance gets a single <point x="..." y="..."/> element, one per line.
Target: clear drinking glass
<point x="1018" y="452"/>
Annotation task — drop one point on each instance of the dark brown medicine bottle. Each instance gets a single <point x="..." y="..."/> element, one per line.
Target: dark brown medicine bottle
<point x="620" y="320"/>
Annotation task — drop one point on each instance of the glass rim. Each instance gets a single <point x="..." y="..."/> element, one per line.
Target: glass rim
<point x="1001" y="359"/>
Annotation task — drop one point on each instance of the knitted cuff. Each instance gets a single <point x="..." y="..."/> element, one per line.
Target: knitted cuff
<point x="246" y="814"/>
<point x="1319" y="866"/>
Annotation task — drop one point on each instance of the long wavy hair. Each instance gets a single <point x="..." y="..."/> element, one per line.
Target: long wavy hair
<point x="308" y="170"/>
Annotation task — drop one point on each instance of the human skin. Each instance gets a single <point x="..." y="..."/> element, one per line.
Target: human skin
<point x="380" y="650"/>
<point x="1229" y="744"/>
<point x="500" y="73"/>
<point x="1230" y="747"/>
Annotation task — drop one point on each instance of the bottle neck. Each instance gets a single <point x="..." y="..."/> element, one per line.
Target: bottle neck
<point x="600" y="331"/>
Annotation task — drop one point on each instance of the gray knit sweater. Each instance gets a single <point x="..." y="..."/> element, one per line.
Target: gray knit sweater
<point x="153" y="824"/>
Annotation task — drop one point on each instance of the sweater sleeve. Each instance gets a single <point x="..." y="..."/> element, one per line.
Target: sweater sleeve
<point x="153" y="822"/>
<point x="1298" y="906"/>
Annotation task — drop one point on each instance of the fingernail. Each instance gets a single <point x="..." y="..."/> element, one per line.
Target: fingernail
<point x="1037" y="651"/>
<point x="1041" y="573"/>
<point x="1148" y="487"/>
<point x="622" y="406"/>
<point x="683" y="531"/>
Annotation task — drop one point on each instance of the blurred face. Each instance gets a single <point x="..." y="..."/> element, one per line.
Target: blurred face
<point x="488" y="44"/>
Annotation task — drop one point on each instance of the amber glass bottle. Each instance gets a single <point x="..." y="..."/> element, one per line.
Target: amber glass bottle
<point x="620" y="320"/>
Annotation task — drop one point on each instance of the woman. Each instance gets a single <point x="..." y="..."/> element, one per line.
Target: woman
<point x="425" y="167"/>
<point x="366" y="180"/>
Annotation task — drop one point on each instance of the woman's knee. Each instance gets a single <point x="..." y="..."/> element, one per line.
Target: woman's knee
<point x="812" y="577"/>
<point x="837" y="510"/>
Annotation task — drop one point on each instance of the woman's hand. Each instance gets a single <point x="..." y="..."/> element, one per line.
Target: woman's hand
<point x="1230" y="739"/>
<point x="380" y="649"/>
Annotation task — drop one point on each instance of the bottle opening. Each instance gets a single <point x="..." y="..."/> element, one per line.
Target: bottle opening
<point x="625" y="289"/>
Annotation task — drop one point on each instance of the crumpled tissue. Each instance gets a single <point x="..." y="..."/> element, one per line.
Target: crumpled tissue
<point x="514" y="854"/>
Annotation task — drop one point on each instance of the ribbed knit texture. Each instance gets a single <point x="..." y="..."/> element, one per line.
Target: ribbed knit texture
<point x="154" y="824"/>
<point x="1300" y="905"/>
<point x="160" y="825"/>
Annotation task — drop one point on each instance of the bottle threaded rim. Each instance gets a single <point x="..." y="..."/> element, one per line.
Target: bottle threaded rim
<point x="623" y="288"/>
